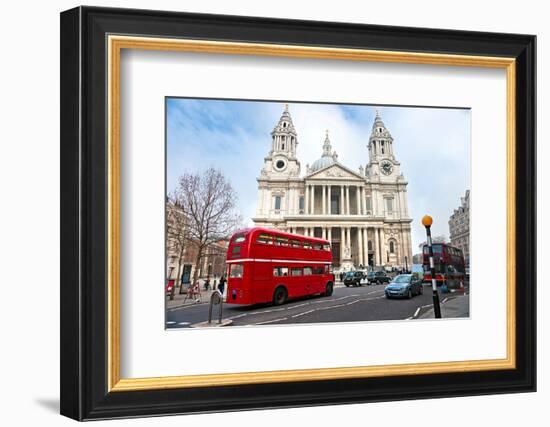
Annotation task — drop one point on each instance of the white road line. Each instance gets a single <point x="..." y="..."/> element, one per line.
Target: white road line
<point x="271" y="321"/>
<point x="303" y="313"/>
<point x="183" y="323"/>
<point x="416" y="312"/>
<point x="237" y="316"/>
<point x="170" y="323"/>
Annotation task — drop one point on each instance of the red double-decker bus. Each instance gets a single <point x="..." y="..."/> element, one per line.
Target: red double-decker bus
<point x="449" y="265"/>
<point x="265" y="265"/>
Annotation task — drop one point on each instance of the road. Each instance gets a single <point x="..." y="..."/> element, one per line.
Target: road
<point x="365" y="303"/>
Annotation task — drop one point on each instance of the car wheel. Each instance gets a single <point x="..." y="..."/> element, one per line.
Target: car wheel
<point x="347" y="286"/>
<point x="410" y="294"/>
<point x="329" y="289"/>
<point x="279" y="296"/>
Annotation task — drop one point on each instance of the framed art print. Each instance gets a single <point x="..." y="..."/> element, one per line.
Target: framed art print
<point x="262" y="213"/>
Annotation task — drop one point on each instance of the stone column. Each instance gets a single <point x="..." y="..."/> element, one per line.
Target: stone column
<point x="348" y="239"/>
<point x="324" y="200"/>
<point x="360" y="244"/>
<point x="329" y="204"/>
<point x="323" y="232"/>
<point x="306" y="200"/>
<point x="365" y="246"/>
<point x="376" y="248"/>
<point x="382" y="247"/>
<point x="342" y="200"/>
<point x="312" y="194"/>
<point x="342" y="243"/>
<point x="329" y="234"/>
<point x="364" y="201"/>
<point x="347" y="200"/>
<point x="358" y="199"/>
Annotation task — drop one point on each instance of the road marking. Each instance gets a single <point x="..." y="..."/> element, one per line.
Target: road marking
<point x="416" y="312"/>
<point x="303" y="313"/>
<point x="170" y="323"/>
<point x="183" y="323"/>
<point x="271" y="321"/>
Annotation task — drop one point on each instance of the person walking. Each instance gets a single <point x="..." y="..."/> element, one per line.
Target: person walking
<point x="221" y="286"/>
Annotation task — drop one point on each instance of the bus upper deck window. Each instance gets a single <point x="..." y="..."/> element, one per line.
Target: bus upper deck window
<point x="265" y="238"/>
<point x="317" y="246"/>
<point x="239" y="238"/>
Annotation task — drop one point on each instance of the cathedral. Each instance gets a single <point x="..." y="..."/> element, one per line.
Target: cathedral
<point x="363" y="213"/>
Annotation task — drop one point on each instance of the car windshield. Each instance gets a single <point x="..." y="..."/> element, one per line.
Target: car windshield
<point x="404" y="278"/>
<point x="349" y="274"/>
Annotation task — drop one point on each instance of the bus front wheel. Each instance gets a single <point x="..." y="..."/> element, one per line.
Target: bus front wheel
<point x="279" y="296"/>
<point x="328" y="289"/>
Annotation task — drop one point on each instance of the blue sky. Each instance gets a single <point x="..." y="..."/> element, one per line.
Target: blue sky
<point x="432" y="145"/>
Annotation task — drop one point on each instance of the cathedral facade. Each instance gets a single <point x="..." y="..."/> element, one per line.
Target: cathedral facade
<point x="363" y="213"/>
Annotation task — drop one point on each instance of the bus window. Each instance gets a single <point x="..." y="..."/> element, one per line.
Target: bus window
<point x="236" y="250"/>
<point x="317" y="246"/>
<point x="236" y="271"/>
<point x="280" y="271"/>
<point x="295" y="243"/>
<point x="296" y="271"/>
<point x="281" y="241"/>
<point x="308" y="271"/>
<point x="326" y="247"/>
<point x="318" y="270"/>
<point x="239" y="238"/>
<point x="265" y="239"/>
<point x="307" y="245"/>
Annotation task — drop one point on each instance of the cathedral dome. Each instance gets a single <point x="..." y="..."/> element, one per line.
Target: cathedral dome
<point x="322" y="163"/>
<point x="328" y="158"/>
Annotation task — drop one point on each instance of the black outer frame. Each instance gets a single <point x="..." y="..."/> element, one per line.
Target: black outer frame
<point x="84" y="213"/>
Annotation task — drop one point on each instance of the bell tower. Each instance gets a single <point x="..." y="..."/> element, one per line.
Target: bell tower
<point x="381" y="158"/>
<point x="281" y="159"/>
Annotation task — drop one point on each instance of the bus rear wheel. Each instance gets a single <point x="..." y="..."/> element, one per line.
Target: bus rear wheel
<point x="279" y="296"/>
<point x="329" y="289"/>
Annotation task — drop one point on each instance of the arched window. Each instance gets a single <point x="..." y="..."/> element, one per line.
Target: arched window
<point x="392" y="247"/>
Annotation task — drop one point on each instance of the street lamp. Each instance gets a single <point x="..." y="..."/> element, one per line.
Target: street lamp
<point x="427" y="222"/>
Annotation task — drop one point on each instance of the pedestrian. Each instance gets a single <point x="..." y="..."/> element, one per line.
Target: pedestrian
<point x="221" y="286"/>
<point x="207" y="284"/>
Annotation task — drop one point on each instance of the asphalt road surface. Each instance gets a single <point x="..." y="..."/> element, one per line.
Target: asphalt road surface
<point x="365" y="303"/>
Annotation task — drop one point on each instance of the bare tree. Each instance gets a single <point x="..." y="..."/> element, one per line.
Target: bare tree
<point x="209" y="203"/>
<point x="177" y="235"/>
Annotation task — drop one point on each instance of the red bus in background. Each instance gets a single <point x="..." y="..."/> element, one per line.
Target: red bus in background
<point x="265" y="265"/>
<point x="449" y="265"/>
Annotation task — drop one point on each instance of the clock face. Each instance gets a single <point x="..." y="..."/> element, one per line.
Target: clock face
<point x="280" y="164"/>
<point x="386" y="168"/>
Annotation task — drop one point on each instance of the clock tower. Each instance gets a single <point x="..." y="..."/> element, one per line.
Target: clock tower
<point x="281" y="160"/>
<point x="382" y="161"/>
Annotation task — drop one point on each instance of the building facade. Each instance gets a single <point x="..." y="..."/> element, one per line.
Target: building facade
<point x="459" y="227"/>
<point x="364" y="213"/>
<point x="181" y="251"/>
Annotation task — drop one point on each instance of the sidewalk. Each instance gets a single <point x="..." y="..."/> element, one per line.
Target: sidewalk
<point x="178" y="300"/>
<point x="455" y="307"/>
<point x="205" y="296"/>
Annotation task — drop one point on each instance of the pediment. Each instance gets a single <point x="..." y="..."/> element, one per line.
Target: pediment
<point x="335" y="171"/>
